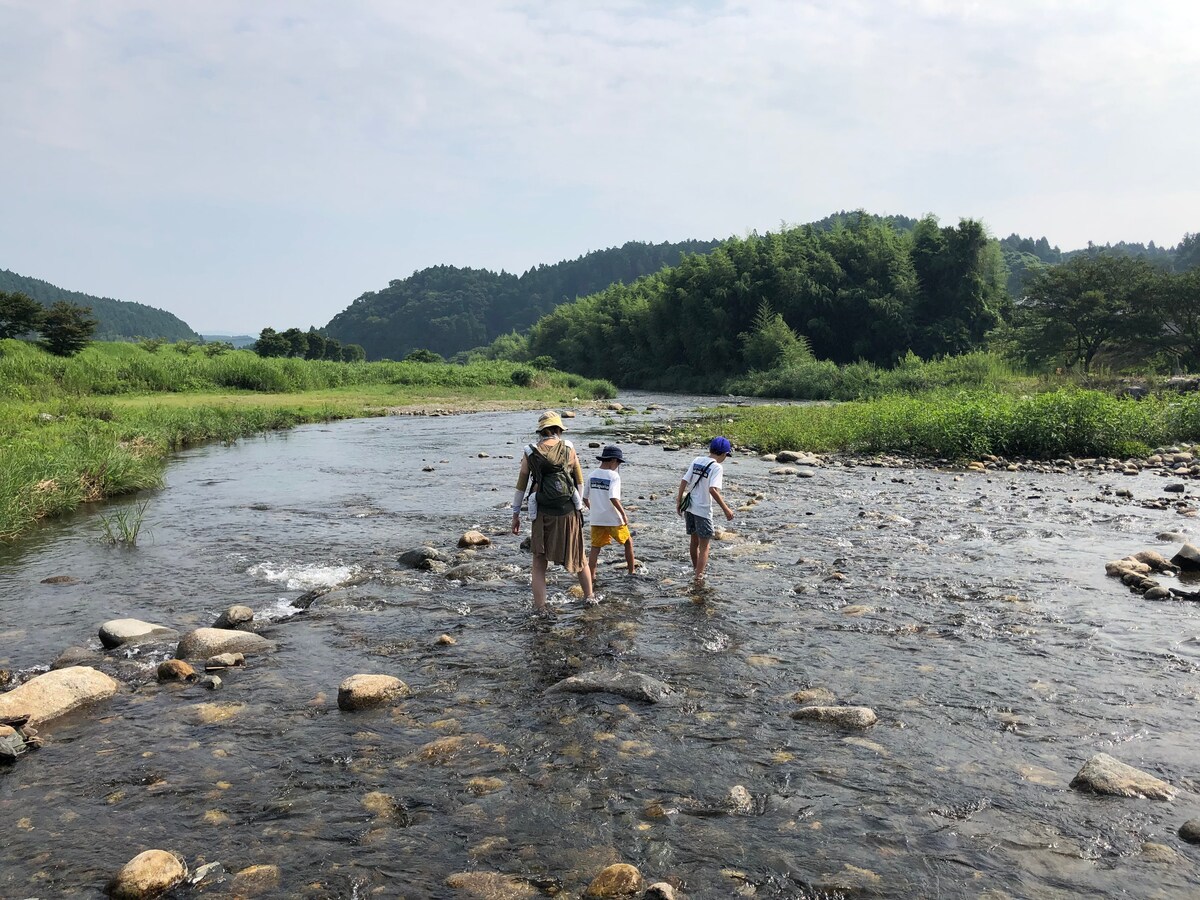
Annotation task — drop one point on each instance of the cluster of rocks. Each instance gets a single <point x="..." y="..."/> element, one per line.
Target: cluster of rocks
<point x="153" y="873"/>
<point x="1103" y="774"/>
<point x="1136" y="570"/>
<point x="619" y="881"/>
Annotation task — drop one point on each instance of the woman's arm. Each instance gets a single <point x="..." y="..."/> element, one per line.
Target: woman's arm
<point x="522" y="484"/>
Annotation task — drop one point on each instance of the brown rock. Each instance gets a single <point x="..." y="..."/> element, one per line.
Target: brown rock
<point x="1106" y="775"/>
<point x="843" y="716"/>
<point x="491" y="886"/>
<point x="814" y="695"/>
<point x="617" y="880"/>
<point x="236" y="617"/>
<point x="255" y="880"/>
<point x="176" y="670"/>
<point x="474" y="539"/>
<point x="57" y="693"/>
<point x="446" y="641"/>
<point x="207" y="642"/>
<point x="149" y="874"/>
<point x="365" y="691"/>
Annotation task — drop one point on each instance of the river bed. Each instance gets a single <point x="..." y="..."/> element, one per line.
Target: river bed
<point x="970" y="611"/>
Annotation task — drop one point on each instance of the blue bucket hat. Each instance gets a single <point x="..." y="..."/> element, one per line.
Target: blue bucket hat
<point x="611" y="452"/>
<point x="720" y="445"/>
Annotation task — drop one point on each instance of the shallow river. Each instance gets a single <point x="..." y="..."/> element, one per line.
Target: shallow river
<point x="973" y="615"/>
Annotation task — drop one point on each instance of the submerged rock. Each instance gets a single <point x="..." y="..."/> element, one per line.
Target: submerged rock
<point x="633" y="685"/>
<point x="77" y="656"/>
<point x="617" y="880"/>
<point x="365" y="691"/>
<point x="61" y="579"/>
<point x="207" y="642"/>
<point x="422" y="557"/>
<point x="118" y="632"/>
<point x="660" y="890"/>
<point x="150" y="873"/>
<point x="255" y="880"/>
<point x="843" y="716"/>
<point x="473" y="571"/>
<point x="240" y="618"/>
<point x="1106" y="775"/>
<point x="57" y="693"/>
<point x="492" y="886"/>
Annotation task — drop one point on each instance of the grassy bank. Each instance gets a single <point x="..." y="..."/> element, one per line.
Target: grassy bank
<point x="103" y="423"/>
<point x="1064" y="422"/>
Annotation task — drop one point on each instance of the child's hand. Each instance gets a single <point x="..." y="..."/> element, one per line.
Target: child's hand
<point x="729" y="515"/>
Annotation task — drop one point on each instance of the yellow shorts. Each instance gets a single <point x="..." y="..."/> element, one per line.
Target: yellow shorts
<point x="603" y="535"/>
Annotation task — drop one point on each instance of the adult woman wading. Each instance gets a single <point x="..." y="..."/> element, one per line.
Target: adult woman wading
<point x="555" y="507"/>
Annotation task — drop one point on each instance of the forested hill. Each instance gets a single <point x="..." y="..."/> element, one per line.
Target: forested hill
<point x="117" y="319"/>
<point x="448" y="310"/>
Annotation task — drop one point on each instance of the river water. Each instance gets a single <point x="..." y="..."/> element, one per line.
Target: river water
<point x="970" y="611"/>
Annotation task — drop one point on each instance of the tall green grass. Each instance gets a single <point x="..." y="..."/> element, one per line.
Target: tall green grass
<point x="966" y="425"/>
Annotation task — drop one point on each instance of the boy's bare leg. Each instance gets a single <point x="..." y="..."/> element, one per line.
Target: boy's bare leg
<point x="629" y="560"/>
<point x="585" y="582"/>
<point x="593" y="558"/>
<point x="693" y="550"/>
<point x="539" y="583"/>
<point x="702" y="556"/>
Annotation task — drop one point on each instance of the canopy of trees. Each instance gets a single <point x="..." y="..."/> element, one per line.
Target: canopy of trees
<point x="115" y="319"/>
<point x="293" y="342"/>
<point x="446" y="310"/>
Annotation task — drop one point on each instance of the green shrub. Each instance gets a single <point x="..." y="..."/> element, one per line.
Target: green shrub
<point x="522" y="377"/>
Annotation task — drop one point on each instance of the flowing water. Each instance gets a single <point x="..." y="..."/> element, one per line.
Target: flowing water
<point x="970" y="611"/>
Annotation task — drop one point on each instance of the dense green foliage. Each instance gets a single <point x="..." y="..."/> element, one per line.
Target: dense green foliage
<point x="858" y="291"/>
<point x="1050" y="425"/>
<point x="19" y="314"/>
<point x="66" y="328"/>
<point x="448" y="310"/>
<point x="116" y="319"/>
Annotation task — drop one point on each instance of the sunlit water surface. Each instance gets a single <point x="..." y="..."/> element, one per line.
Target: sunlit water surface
<point x="974" y="617"/>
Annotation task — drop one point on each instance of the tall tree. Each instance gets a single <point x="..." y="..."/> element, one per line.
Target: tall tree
<point x="316" y="345"/>
<point x="19" y="314"/>
<point x="271" y="343"/>
<point x="67" y="328"/>
<point x="297" y="342"/>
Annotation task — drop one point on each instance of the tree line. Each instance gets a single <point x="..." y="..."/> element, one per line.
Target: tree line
<point x="64" y="328"/>
<point x="311" y="344"/>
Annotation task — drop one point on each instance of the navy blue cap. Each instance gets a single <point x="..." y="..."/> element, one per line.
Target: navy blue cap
<point x="720" y="445"/>
<point x="611" y="452"/>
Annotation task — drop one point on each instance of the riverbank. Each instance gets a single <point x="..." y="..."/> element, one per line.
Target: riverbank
<point x="103" y="423"/>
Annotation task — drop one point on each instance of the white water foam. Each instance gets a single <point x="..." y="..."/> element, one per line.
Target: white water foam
<point x="302" y="577"/>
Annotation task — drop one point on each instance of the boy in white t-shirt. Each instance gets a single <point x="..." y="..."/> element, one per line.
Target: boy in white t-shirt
<point x="699" y="487"/>
<point x="602" y="495"/>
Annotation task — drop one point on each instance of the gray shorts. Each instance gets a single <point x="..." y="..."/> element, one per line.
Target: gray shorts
<point x="697" y="525"/>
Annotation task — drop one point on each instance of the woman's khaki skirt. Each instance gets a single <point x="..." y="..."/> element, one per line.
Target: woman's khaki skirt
<point x="559" y="539"/>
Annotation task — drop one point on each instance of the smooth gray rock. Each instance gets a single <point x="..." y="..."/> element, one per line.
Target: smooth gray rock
<point x="422" y="557"/>
<point x="1190" y="831"/>
<point x="240" y="618"/>
<point x="842" y="716"/>
<point x="118" y="632"/>
<point x="77" y="656"/>
<point x="1188" y="558"/>
<point x="1106" y="775"/>
<point x="473" y="571"/>
<point x="633" y="685"/>
<point x="788" y="456"/>
<point x="204" y="643"/>
<point x="785" y="470"/>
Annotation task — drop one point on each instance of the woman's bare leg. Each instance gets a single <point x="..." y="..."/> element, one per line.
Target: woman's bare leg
<point x="539" y="583"/>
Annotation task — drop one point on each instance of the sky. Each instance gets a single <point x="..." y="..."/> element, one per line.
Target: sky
<point x="245" y="165"/>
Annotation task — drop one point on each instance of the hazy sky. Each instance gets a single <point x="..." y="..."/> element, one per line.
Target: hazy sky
<point x="244" y="164"/>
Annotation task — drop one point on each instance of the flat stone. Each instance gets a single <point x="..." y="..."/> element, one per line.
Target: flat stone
<point x="236" y="617"/>
<point x="150" y="873"/>
<point x="118" y="632"/>
<point x="225" y="661"/>
<point x="785" y="470"/>
<point x="365" y="691"/>
<point x="1106" y="775"/>
<point x="633" y="685"/>
<point x="207" y="642"/>
<point x="617" y="880"/>
<point x="57" y="693"/>
<point x="843" y="716"/>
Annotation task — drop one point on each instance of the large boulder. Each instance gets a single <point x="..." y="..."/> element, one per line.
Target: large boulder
<point x="633" y="685"/>
<point x="118" y="632"/>
<point x="365" y="691"/>
<point x="842" y="716"/>
<point x="1106" y="775"/>
<point x="1188" y="558"/>
<point x="149" y="874"/>
<point x="240" y="618"/>
<point x="207" y="642"/>
<point x="57" y="693"/>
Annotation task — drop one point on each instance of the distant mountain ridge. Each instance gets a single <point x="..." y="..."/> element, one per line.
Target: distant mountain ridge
<point x="447" y="309"/>
<point x="117" y="319"/>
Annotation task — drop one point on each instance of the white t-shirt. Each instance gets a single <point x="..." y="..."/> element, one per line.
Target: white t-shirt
<point x="599" y="488"/>
<point x="701" y="498"/>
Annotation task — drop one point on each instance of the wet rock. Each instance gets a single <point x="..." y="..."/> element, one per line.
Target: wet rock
<point x="1188" y="558"/>
<point x="617" y="880"/>
<point x="805" y="473"/>
<point x="1190" y="831"/>
<point x="739" y="800"/>
<point x="254" y="881"/>
<point x="61" y="579"/>
<point x="474" y="539"/>
<point x="365" y="691"/>
<point x="1156" y="561"/>
<point x="472" y="571"/>
<point x="770" y="457"/>
<point x="1119" y="568"/>
<point x="1159" y="853"/>
<point x="842" y="716"/>
<point x="567" y="413"/>
<point x="175" y="670"/>
<point x="785" y="470"/>
<point x="211" y="682"/>
<point x="149" y="874"/>
<point x="1174" y="488"/>
<point x="12" y="744"/>
<point x="422" y="557"/>
<point x="57" y="693"/>
<point x="445" y="640"/>
<point x="492" y="886"/>
<point x="1158" y="592"/>
<point x="814" y="695"/>
<point x="788" y="456"/>
<point x="240" y="618"/>
<point x="1106" y="775"/>
<point x="224" y="661"/>
<point x="118" y="632"/>
<point x="308" y="598"/>
<point x="207" y="642"/>
<point x="77" y="656"/>
<point x="633" y="685"/>
<point x="660" y="890"/>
